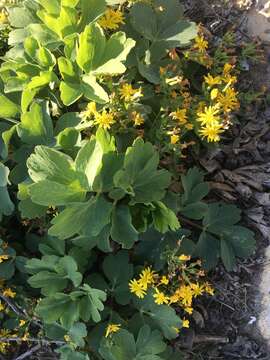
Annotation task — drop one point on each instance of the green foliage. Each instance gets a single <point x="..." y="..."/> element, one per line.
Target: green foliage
<point x="219" y="230"/>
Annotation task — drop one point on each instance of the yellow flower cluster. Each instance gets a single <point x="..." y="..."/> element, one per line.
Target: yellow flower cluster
<point x="104" y="119"/>
<point x="214" y="118"/>
<point x="168" y="290"/>
<point x="112" y="19"/>
<point x="128" y="93"/>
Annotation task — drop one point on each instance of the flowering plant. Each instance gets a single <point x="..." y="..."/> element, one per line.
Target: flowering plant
<point x="95" y="97"/>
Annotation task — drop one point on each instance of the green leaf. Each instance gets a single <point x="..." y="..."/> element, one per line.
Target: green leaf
<point x="87" y="218"/>
<point x="221" y="217"/>
<point x="164" y="218"/>
<point x="242" y="240"/>
<point x="6" y="205"/>
<point x="36" y="126"/>
<point x="50" y="193"/>
<point x="140" y="177"/>
<point x="49" y="164"/>
<point x="49" y="282"/>
<point x="227" y="255"/>
<point x="92" y="303"/>
<point x="162" y="317"/>
<point x="59" y="307"/>
<point x="208" y="249"/>
<point x="20" y="17"/>
<point x="122" y="347"/>
<point x="98" y="56"/>
<point x="8" y="109"/>
<point x="92" y="42"/>
<point x="113" y="266"/>
<point x="165" y="29"/>
<point x="77" y="334"/>
<point x="122" y="231"/>
<point x="70" y="92"/>
<point x="93" y="91"/>
<point x="88" y="160"/>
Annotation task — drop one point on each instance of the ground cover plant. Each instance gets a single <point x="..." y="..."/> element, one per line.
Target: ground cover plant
<point x="106" y="234"/>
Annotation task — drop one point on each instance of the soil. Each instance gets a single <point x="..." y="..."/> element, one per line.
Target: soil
<point x="227" y="325"/>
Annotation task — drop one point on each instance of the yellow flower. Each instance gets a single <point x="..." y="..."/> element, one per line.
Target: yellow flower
<point x="3" y="258"/>
<point x="185" y="323"/>
<point x="164" y="280"/>
<point x="227" y="68"/>
<point x="105" y="119"/>
<point x="25" y="336"/>
<point x="90" y="110"/>
<point x="137" y="288"/>
<point x="200" y="43"/>
<point x="208" y="289"/>
<point x="174" y="139"/>
<point x="112" y="328"/>
<point x="147" y="277"/>
<point x="212" y="81"/>
<point x="189" y="126"/>
<point x="180" y="115"/>
<point x="112" y="19"/>
<point x="128" y="93"/>
<point x="9" y="293"/>
<point x="184" y="257"/>
<point x="185" y="295"/>
<point x="214" y="94"/>
<point x="209" y="116"/>
<point x="211" y="132"/>
<point x="22" y="323"/>
<point x="137" y="118"/>
<point x="3" y="18"/>
<point x="67" y="338"/>
<point x="188" y="310"/>
<point x="229" y="100"/>
<point x="197" y="289"/>
<point x="161" y="298"/>
<point x="2" y="307"/>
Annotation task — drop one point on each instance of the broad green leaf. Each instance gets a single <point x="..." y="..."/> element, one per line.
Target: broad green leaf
<point x="51" y="6"/>
<point x="113" y="266"/>
<point x="87" y="218"/>
<point x="208" y="249"/>
<point x="123" y="231"/>
<point x="8" y="109"/>
<point x="70" y="92"/>
<point x="59" y="307"/>
<point x="122" y="347"/>
<point x="149" y="343"/>
<point x="162" y="317"/>
<point x="50" y="193"/>
<point x="92" y="42"/>
<point x="77" y="334"/>
<point x="20" y="17"/>
<point x="89" y="160"/>
<point x="92" y="303"/>
<point x="221" y="217"/>
<point x="49" y="282"/>
<point x="93" y="91"/>
<point x="242" y="240"/>
<point x="36" y="126"/>
<point x="49" y="164"/>
<point x="140" y="177"/>
<point x="68" y="138"/>
<point x="67" y="352"/>
<point x="227" y="255"/>
<point x="164" y="218"/>
<point x="91" y="11"/>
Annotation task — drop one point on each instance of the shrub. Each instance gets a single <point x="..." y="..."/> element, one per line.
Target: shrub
<point x="99" y="100"/>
